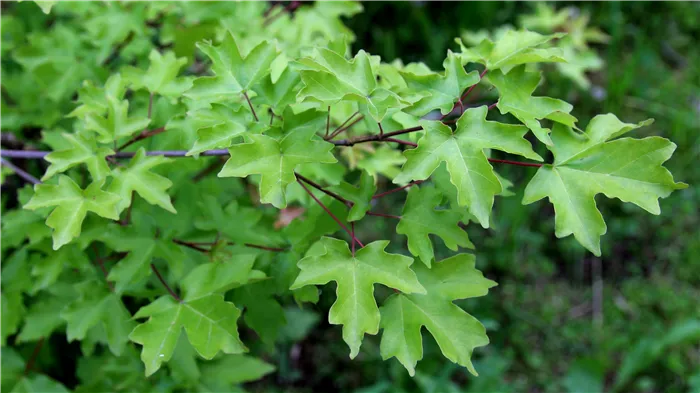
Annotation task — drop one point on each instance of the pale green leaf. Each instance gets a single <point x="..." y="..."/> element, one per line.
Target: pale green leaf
<point x="591" y="163"/>
<point x="83" y="150"/>
<point x="161" y="76"/>
<point x="137" y="177"/>
<point x="456" y="332"/>
<point x="355" y="307"/>
<point x="361" y="196"/>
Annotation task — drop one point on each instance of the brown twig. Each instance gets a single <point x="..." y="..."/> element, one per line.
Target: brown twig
<point x="165" y="284"/>
<point x="377" y="196"/>
<point x="255" y="115"/>
<point x="141" y="136"/>
<point x="34" y="355"/>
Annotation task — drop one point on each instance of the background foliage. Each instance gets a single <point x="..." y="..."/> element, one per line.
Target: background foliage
<point x="561" y="319"/>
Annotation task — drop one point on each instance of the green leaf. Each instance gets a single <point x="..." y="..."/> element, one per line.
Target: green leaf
<point x="117" y="123"/>
<point x="96" y="305"/>
<point x="420" y="218"/>
<point x="232" y="370"/>
<point x="83" y="151"/>
<point x="513" y="48"/>
<point x="13" y="312"/>
<point x="161" y="76"/>
<point x="210" y="324"/>
<point x="516" y="90"/>
<point x="330" y="78"/>
<point x="591" y="163"/>
<point x="44" y="316"/>
<point x="38" y="384"/>
<point x="275" y="160"/>
<point x="355" y="307"/>
<point x="218" y="126"/>
<point x="361" y="196"/>
<point x="137" y="177"/>
<point x="235" y="73"/>
<point x="462" y="151"/>
<point x="47" y="268"/>
<point x="443" y="89"/>
<point x="280" y="94"/>
<point x="238" y="223"/>
<point x="218" y="277"/>
<point x="456" y="332"/>
<point x="72" y="205"/>
<point x="263" y="313"/>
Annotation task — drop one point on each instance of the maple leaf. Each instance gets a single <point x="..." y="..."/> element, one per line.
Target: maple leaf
<point x="217" y="126"/>
<point x="462" y="151"/>
<point x="209" y="321"/>
<point x="82" y="151"/>
<point x="515" y="47"/>
<point x="443" y="89"/>
<point x="263" y="313"/>
<point x="137" y="177"/>
<point x="275" y="160"/>
<point x="330" y="78"/>
<point x="419" y="219"/>
<point x="96" y="305"/>
<point x="161" y="76"/>
<point x="456" y="332"/>
<point x="72" y="205"/>
<point x="595" y="162"/>
<point x="355" y="307"/>
<point x="361" y="196"/>
<point x="117" y="123"/>
<point x="280" y="94"/>
<point x="516" y="90"/>
<point x="235" y="73"/>
<point x="218" y="277"/>
<point x="95" y="99"/>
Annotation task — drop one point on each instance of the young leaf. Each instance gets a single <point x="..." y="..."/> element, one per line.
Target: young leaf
<point x="218" y="277"/>
<point x="161" y="76"/>
<point x="275" y="160"/>
<point x="137" y="177"/>
<point x="419" y="219"/>
<point x="117" y="124"/>
<point x="210" y="324"/>
<point x="72" y="204"/>
<point x="443" y="89"/>
<point x="456" y="332"/>
<point x="330" y="78"/>
<point x="220" y="374"/>
<point x="462" y="151"/>
<point x="361" y="197"/>
<point x="591" y="163"/>
<point x="95" y="305"/>
<point x="355" y="307"/>
<point x="235" y="73"/>
<point x="83" y="151"/>
<point x="516" y="90"/>
<point x="513" y="48"/>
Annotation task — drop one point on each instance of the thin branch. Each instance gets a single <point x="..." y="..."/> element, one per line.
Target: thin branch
<point x="165" y="284"/>
<point x="328" y="122"/>
<point x="376" y="137"/>
<point x="20" y="172"/>
<point x="460" y="100"/>
<point x="381" y="130"/>
<point x="289" y="8"/>
<point x="190" y="245"/>
<point x="142" y="135"/>
<point x="255" y="115"/>
<point x="101" y="264"/>
<point x="493" y="105"/>
<point x="349" y="126"/>
<point x="34" y="355"/>
<point x="335" y="132"/>
<point x="352" y="241"/>
<point x="318" y="187"/>
<point x="277" y="249"/>
<point x="518" y="163"/>
<point x="329" y="212"/>
<point x="397" y="189"/>
<point x="399" y="141"/>
<point x="383" y="215"/>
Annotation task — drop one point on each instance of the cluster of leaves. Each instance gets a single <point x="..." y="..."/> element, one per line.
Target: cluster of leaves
<point x="180" y="250"/>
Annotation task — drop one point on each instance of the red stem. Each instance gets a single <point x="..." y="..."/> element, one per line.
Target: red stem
<point x="400" y="141"/>
<point x="397" y="189"/>
<point x="352" y="226"/>
<point x="329" y="212"/>
<point x="34" y="355"/>
<point x="383" y="215"/>
<point x="278" y="249"/>
<point x="255" y="115"/>
<point x="165" y="284"/>
<point x="328" y="122"/>
<point x="190" y="245"/>
<point x="142" y="135"/>
<point x="340" y="127"/>
<point x="101" y="264"/>
<point x="349" y="126"/>
<point x="518" y="163"/>
<point x="318" y="187"/>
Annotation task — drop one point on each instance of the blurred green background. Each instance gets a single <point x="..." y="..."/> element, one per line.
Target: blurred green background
<point x="560" y="319"/>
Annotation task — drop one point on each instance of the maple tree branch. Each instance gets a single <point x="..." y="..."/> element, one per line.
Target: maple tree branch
<point x="461" y="98"/>
<point x="518" y="163"/>
<point x="376" y="137"/>
<point x="383" y="215"/>
<point x="142" y="135"/>
<point x="165" y="284"/>
<point x="20" y="172"/>
<point x="415" y="182"/>
<point x="255" y="115"/>
<point x="289" y="8"/>
<point x="341" y="130"/>
<point x="276" y="249"/>
<point x="381" y="130"/>
<point x="328" y="122"/>
<point x="340" y="127"/>
<point x="318" y="187"/>
<point x="190" y="245"/>
<point x="34" y="355"/>
<point x="329" y="212"/>
<point x="399" y="141"/>
<point x="27" y="154"/>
